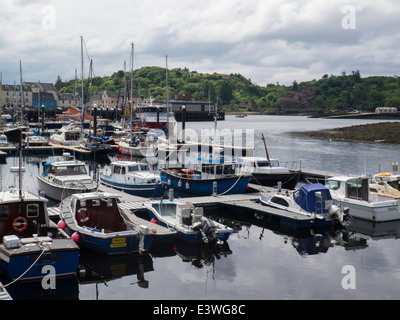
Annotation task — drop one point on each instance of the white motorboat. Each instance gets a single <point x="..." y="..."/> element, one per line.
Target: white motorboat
<point x="60" y="179"/>
<point x="311" y="200"/>
<point x="268" y="172"/>
<point x="354" y="193"/>
<point x="133" y="177"/>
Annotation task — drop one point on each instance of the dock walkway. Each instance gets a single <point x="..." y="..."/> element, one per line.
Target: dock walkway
<point x="4" y="295"/>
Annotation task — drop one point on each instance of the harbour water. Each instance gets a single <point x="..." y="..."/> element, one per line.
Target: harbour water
<point x="261" y="262"/>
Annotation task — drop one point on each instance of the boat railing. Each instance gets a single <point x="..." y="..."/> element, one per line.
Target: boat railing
<point x="294" y="165"/>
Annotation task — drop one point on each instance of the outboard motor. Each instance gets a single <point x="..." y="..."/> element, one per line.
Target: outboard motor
<point x="206" y="229"/>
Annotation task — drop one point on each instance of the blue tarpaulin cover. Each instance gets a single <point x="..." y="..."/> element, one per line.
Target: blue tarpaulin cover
<point x="311" y="197"/>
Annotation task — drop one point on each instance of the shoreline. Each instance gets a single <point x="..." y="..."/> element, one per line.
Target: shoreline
<point x="384" y="132"/>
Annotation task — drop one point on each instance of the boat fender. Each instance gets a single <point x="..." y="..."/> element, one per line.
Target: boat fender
<point x="82" y="215"/>
<point x="75" y="237"/>
<point x="20" y="224"/>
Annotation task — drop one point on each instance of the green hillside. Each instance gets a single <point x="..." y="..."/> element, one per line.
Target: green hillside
<point x="237" y="93"/>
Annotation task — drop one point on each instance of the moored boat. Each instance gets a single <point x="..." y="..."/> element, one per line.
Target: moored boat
<point x="212" y="176"/>
<point x="94" y="218"/>
<point x="310" y="200"/>
<point x="354" y="193"/>
<point x="60" y="179"/>
<point x="189" y="222"/>
<point x="133" y="177"/>
<point x="268" y="172"/>
<point x="31" y="244"/>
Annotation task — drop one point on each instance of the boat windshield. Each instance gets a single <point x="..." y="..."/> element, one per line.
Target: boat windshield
<point x="274" y="163"/>
<point x="70" y="170"/>
<point x="333" y="185"/>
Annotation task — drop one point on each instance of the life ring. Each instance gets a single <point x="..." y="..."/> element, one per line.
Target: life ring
<point x="189" y="173"/>
<point x="20" y="224"/>
<point x="82" y="215"/>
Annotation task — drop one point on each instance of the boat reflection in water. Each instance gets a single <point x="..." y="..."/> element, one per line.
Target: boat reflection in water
<point x="97" y="267"/>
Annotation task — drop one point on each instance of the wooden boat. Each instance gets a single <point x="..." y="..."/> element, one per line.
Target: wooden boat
<point x="30" y="241"/>
<point x="59" y="179"/>
<point x="311" y="200"/>
<point x="188" y="221"/>
<point x="354" y="193"/>
<point x="133" y="177"/>
<point x="95" y="219"/>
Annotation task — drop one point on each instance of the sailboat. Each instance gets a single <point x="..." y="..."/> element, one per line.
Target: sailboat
<point x="31" y="242"/>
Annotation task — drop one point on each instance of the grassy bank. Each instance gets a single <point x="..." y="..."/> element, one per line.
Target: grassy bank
<point x="385" y="132"/>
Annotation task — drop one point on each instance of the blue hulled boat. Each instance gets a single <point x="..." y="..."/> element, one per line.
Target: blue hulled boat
<point x="211" y="176"/>
<point x="94" y="219"/>
<point x="133" y="177"/>
<point x="32" y="245"/>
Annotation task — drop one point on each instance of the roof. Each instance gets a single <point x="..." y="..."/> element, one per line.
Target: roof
<point x="95" y="195"/>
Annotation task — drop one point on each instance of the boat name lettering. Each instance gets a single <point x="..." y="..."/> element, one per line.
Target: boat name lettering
<point x="118" y="243"/>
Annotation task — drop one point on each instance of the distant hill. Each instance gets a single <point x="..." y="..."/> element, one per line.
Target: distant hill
<point x="236" y="93"/>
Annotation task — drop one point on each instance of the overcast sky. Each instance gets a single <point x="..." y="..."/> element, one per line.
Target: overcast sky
<point x="267" y="41"/>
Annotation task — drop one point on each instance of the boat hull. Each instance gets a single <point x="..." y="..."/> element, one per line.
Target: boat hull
<point x="288" y="180"/>
<point x="54" y="192"/>
<point x="140" y="190"/>
<point x="117" y="243"/>
<point x="63" y="256"/>
<point x="232" y="185"/>
<point x="371" y="211"/>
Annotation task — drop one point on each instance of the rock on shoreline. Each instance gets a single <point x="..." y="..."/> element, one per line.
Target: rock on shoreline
<point x="385" y="132"/>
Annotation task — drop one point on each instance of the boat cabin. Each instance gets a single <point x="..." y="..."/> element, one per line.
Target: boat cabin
<point x="263" y="165"/>
<point x="98" y="212"/>
<point x="218" y="168"/>
<point x="22" y="216"/>
<point x="124" y="167"/>
<point x="64" y="168"/>
<point x="350" y="187"/>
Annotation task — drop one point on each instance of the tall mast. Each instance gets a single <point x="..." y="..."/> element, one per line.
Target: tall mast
<point x="22" y="93"/>
<point x="82" y="68"/>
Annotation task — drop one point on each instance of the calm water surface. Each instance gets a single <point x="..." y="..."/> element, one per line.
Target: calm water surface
<point x="261" y="261"/>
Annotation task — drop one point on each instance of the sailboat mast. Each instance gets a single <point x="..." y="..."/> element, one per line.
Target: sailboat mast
<point x="22" y="92"/>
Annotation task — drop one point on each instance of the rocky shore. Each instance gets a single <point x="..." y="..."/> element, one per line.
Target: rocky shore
<point x="385" y="132"/>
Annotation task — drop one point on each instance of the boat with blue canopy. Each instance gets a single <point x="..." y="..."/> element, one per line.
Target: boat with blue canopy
<point x="313" y="200"/>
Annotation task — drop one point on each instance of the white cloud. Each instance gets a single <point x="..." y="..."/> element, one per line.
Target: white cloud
<point x="266" y="41"/>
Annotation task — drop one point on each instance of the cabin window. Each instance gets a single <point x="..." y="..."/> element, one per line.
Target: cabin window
<point x="3" y="212"/>
<point x="95" y="202"/>
<point x="117" y="169"/>
<point x="357" y="189"/>
<point x="32" y="210"/>
<point x="144" y="167"/>
<point x="133" y="168"/>
<point x="280" y="201"/>
<point x="82" y="203"/>
<point x="218" y="170"/>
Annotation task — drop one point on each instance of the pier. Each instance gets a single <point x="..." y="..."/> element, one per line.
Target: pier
<point x="4" y="295"/>
<point x="245" y="202"/>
